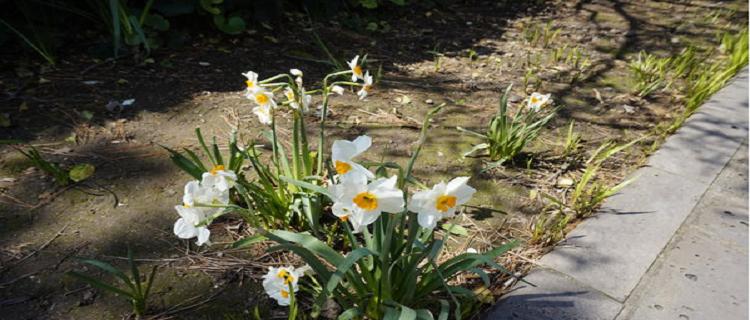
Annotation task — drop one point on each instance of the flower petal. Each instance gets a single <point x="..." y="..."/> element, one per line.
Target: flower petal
<point x="459" y="189"/>
<point x="428" y="220"/>
<point x="362" y="143"/>
<point x="203" y="234"/>
<point x="183" y="229"/>
<point x="343" y="150"/>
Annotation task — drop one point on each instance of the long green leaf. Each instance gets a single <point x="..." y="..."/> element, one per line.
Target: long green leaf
<point x="307" y="185"/>
<point x="245" y="242"/>
<point x="444" y="310"/>
<point x="308" y="242"/>
<point x="350" y="313"/>
<point x="110" y="269"/>
<point x="344" y="267"/>
<point x="136" y="275"/>
<point x="150" y="282"/>
<point x="204" y="146"/>
<point x="185" y="164"/>
<point x="400" y="312"/>
<point x="311" y="259"/>
<point x="99" y="284"/>
<point x="114" y="8"/>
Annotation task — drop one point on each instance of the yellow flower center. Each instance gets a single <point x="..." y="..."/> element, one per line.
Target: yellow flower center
<point x="284" y="294"/>
<point x="261" y="99"/>
<point x="366" y="200"/>
<point x="186" y="205"/>
<point x="250" y="84"/>
<point x="357" y="70"/>
<point x="288" y="278"/>
<point x="445" y="202"/>
<point x="216" y="169"/>
<point x="534" y="100"/>
<point x="342" y="167"/>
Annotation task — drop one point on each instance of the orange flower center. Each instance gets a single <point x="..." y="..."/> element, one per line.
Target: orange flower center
<point x="445" y="202"/>
<point x="344" y="218"/>
<point x="342" y="167"/>
<point x="357" y="70"/>
<point x="216" y="169"/>
<point x="534" y="100"/>
<point x="366" y="200"/>
<point x="284" y="294"/>
<point x="261" y="99"/>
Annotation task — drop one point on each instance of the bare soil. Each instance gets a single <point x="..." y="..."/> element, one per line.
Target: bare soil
<point x="463" y="54"/>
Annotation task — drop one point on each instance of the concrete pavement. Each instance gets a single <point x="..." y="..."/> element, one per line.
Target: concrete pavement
<point x="671" y="245"/>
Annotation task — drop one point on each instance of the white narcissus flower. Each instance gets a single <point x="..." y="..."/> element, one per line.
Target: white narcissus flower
<point x="305" y="98"/>
<point x="252" y="81"/>
<point x="366" y="86"/>
<point x="441" y="202"/>
<point x="337" y="89"/>
<point x="276" y="283"/>
<point x="290" y="96"/>
<point x="537" y="100"/>
<point x="342" y="153"/>
<point x="219" y="178"/>
<point x="361" y="203"/>
<point x="262" y="97"/>
<point x="355" y="68"/>
<point x="197" y="193"/>
<point x="298" y="74"/>
<point x="186" y="227"/>
<point x="264" y="114"/>
<point x="192" y="214"/>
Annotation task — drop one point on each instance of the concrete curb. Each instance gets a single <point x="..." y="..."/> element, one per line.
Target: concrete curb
<point x="592" y="274"/>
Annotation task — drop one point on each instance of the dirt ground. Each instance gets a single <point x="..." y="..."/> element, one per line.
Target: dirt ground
<point x="463" y="54"/>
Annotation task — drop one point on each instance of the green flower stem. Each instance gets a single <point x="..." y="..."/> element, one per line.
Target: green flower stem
<point x="347" y="83"/>
<point x="324" y="111"/>
<point x="278" y="76"/>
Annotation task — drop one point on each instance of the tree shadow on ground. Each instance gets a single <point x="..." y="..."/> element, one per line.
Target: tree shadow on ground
<point x="180" y="91"/>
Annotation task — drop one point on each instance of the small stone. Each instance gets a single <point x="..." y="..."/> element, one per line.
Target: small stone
<point x="88" y="298"/>
<point x="564" y="182"/>
<point x="429" y="101"/>
<point x="691" y="276"/>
